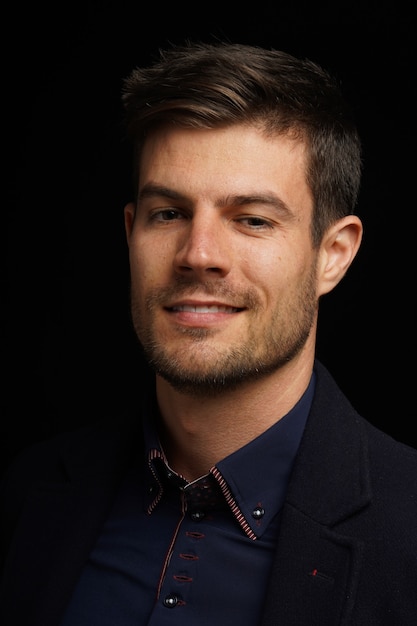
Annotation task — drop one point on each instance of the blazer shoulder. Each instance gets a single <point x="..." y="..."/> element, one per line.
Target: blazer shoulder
<point x="101" y="447"/>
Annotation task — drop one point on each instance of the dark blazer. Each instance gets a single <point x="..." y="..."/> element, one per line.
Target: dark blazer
<point x="347" y="547"/>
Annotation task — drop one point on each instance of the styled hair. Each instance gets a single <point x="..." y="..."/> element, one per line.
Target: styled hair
<point x="213" y="85"/>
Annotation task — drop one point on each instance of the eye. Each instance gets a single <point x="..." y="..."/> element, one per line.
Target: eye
<point x="255" y="222"/>
<point x="166" y="215"/>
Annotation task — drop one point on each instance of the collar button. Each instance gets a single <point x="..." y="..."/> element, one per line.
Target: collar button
<point x="258" y="512"/>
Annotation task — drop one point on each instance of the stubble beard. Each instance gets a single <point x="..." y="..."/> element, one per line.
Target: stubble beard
<point x="204" y="371"/>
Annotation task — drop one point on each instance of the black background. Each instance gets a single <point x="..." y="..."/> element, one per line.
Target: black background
<point x="70" y="355"/>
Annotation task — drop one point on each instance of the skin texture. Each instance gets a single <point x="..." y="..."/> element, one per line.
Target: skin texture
<point x="225" y="283"/>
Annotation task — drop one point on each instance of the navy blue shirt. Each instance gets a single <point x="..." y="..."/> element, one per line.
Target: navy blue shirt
<point x="177" y="553"/>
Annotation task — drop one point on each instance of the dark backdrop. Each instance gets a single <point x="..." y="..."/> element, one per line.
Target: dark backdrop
<point x="70" y="355"/>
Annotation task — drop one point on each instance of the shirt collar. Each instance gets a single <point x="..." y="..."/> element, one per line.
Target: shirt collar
<point x="254" y="478"/>
<point x="258" y="473"/>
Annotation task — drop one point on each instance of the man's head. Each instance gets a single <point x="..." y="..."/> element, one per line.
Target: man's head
<point x="247" y="174"/>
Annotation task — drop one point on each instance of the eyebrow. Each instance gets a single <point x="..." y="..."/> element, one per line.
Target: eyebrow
<point x="152" y="190"/>
<point x="268" y="199"/>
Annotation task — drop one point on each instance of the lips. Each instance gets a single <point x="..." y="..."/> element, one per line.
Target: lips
<point x="204" y="308"/>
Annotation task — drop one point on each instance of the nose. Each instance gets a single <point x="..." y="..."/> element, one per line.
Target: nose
<point x="204" y="248"/>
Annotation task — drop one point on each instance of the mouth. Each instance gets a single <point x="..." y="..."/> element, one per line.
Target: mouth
<point x="204" y="308"/>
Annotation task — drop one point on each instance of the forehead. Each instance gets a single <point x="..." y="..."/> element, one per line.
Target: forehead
<point x="238" y="147"/>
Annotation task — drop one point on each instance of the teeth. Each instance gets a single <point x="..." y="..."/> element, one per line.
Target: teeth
<point x="205" y="309"/>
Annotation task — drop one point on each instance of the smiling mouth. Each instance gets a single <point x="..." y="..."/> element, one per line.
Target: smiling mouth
<point x="205" y="309"/>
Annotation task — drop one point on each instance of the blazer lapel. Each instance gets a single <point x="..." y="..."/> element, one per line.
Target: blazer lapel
<point x="317" y="564"/>
<point x="314" y="574"/>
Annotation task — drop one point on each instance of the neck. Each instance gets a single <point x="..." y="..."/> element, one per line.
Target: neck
<point x="198" y="432"/>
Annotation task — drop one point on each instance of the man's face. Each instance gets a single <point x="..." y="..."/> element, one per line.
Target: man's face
<point x="223" y="274"/>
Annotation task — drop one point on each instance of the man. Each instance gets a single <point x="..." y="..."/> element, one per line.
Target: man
<point x="246" y="489"/>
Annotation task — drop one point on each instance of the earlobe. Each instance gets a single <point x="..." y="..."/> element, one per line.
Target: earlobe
<point x="129" y="215"/>
<point x="339" y="248"/>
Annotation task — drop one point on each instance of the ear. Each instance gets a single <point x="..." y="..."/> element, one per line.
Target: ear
<point x="339" y="247"/>
<point x="129" y="214"/>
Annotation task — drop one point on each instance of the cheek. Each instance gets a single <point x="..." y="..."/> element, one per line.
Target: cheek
<point x="278" y="271"/>
<point x="261" y="265"/>
<point x="148" y="260"/>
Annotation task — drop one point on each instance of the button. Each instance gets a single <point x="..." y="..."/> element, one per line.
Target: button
<point x="258" y="512"/>
<point x="197" y="516"/>
<point x="170" y="601"/>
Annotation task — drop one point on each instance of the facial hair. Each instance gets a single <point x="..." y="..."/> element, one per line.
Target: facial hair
<point x="207" y="371"/>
